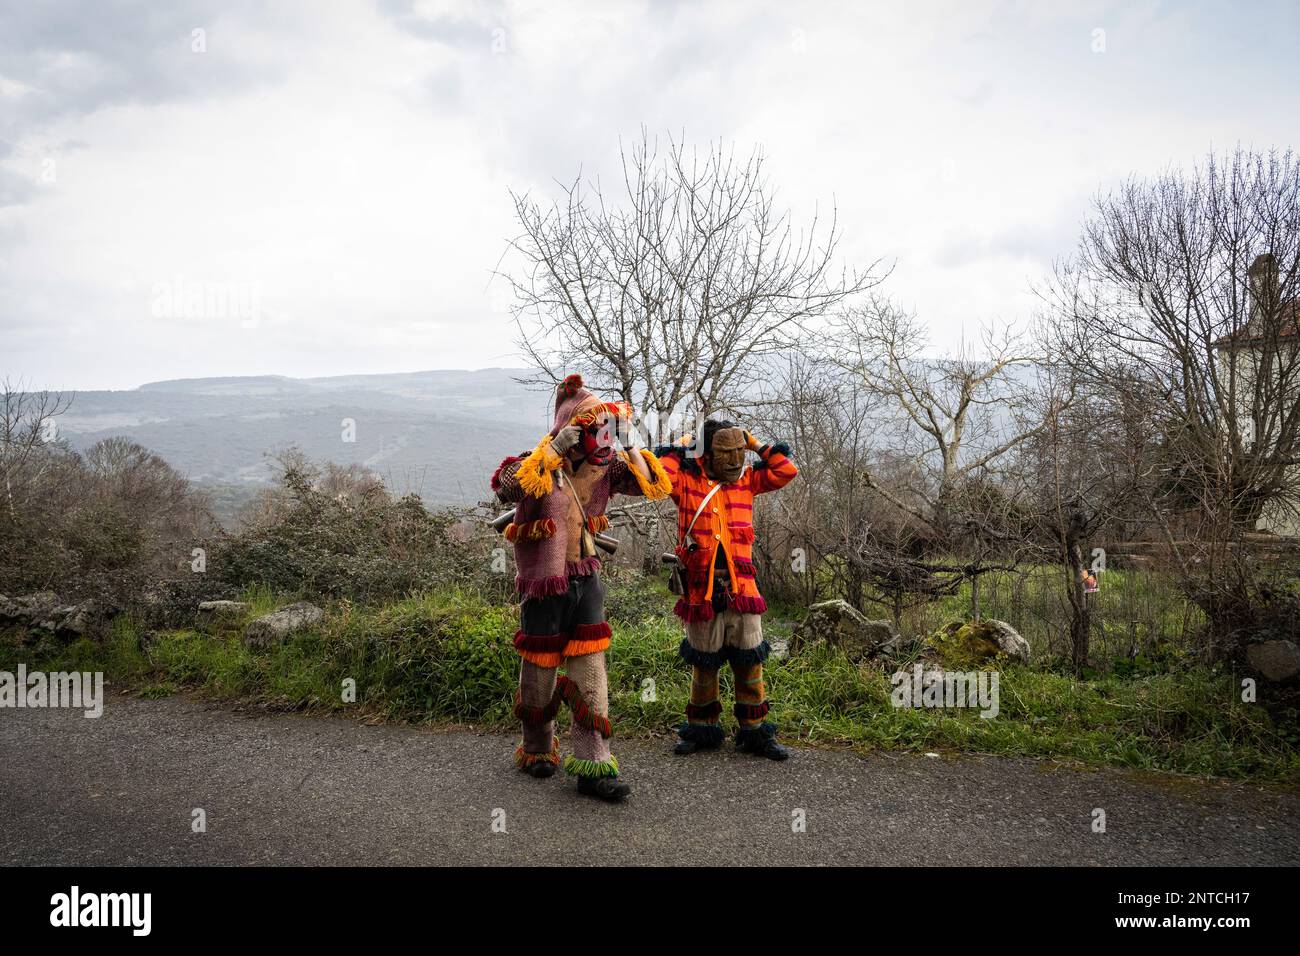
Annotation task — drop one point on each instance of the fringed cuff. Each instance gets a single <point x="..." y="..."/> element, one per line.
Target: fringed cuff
<point x="659" y="485"/>
<point x="592" y="632"/>
<point x="702" y="735"/>
<point x="751" y="712"/>
<point x="589" y="639"/>
<point x="590" y="768"/>
<point x="755" y="736"/>
<point x="704" y="713"/>
<point x="748" y="656"/>
<point x="524" y="759"/>
<point x="710" y="660"/>
<point x="496" y="481"/>
<point x="540" y="643"/>
<point x="534" y="473"/>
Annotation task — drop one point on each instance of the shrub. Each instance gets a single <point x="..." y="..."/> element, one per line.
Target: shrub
<point x="361" y="545"/>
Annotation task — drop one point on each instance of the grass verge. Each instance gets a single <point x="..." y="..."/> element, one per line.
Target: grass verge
<point x="447" y="657"/>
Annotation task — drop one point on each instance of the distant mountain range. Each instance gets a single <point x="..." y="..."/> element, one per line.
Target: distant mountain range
<point x="439" y="433"/>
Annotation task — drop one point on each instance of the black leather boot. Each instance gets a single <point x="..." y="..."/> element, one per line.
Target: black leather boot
<point x="693" y="737"/>
<point x="610" y="789"/>
<point x="761" y="740"/>
<point x="772" y="750"/>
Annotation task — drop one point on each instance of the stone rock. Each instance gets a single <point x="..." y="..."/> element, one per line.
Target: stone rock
<point x="842" y="625"/>
<point x="1275" y="660"/>
<point x="79" y="620"/>
<point x="223" y="607"/>
<point x="44" y="611"/>
<point x="212" y="611"/>
<point x="275" y="627"/>
<point x="969" y="644"/>
<point x="1009" y="641"/>
<point x="30" y="609"/>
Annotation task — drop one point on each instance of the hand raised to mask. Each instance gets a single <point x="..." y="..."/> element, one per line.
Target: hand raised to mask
<point x="567" y="437"/>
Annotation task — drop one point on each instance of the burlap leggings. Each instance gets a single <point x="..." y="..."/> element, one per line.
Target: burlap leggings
<point x="729" y="637"/>
<point x="584" y="688"/>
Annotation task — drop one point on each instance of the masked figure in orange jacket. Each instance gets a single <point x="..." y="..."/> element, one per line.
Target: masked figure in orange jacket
<point x="721" y="605"/>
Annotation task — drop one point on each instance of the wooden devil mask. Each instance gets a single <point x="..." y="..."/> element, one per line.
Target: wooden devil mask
<point x="726" y="458"/>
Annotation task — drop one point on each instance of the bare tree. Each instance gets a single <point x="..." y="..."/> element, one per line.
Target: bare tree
<point x="1075" y="488"/>
<point x="1183" y="291"/>
<point x="810" y="534"/>
<point x="951" y="426"/>
<point x="671" y="293"/>
<point x="27" y="422"/>
<point x="148" y="490"/>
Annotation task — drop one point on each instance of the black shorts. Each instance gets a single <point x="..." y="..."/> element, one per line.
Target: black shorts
<point x="582" y="604"/>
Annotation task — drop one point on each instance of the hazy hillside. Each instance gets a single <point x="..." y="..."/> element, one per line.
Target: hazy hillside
<point x="437" y="433"/>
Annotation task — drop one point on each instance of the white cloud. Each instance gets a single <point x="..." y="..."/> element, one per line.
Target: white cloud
<point x="352" y="163"/>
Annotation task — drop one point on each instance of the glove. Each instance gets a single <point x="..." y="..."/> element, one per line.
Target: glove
<point x="568" y="436"/>
<point x="752" y="443"/>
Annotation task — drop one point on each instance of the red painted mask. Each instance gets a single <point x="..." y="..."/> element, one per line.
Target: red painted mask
<point x="597" y="443"/>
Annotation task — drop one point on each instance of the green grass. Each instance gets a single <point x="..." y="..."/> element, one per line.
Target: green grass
<point x="1133" y="612"/>
<point x="447" y="657"/>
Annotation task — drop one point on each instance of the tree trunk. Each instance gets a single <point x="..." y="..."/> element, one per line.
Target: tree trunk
<point x="1080" y="614"/>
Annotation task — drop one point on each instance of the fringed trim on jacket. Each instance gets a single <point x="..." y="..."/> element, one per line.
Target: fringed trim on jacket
<point x="541" y="587"/>
<point x="747" y="604"/>
<point x="597" y="523"/>
<point x="659" y="485"/>
<point x="557" y="583"/>
<point x="582" y="568"/>
<point x="693" y="612"/>
<point x="495" y="483"/>
<point x="530" y="530"/>
<point x="535" y="471"/>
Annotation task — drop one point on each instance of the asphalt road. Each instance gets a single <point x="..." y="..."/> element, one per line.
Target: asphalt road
<point x="288" y="789"/>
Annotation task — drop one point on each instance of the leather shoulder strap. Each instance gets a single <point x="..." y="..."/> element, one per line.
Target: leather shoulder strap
<point x="698" y="511"/>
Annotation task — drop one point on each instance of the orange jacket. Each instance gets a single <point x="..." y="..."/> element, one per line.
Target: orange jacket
<point x="727" y="522"/>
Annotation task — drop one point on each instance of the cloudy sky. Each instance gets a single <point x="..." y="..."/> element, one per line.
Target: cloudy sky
<point x="339" y="170"/>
